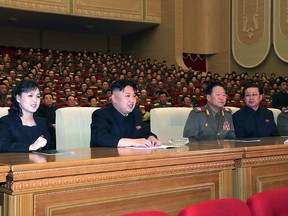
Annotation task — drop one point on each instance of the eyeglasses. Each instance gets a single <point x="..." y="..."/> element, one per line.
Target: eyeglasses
<point x="251" y="95"/>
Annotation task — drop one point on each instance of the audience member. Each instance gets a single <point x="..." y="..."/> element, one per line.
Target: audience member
<point x="253" y="120"/>
<point x="212" y="121"/>
<point x="280" y="99"/>
<point x="71" y="101"/>
<point x="187" y="101"/>
<point x="119" y="124"/>
<point x="21" y="130"/>
<point x="4" y="96"/>
<point x="162" y="100"/>
<point x="48" y="111"/>
<point x="93" y="102"/>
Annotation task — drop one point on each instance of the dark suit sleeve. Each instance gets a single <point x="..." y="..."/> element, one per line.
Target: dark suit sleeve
<point x="101" y="135"/>
<point x="7" y="144"/>
<point x="238" y="125"/>
<point x="41" y="122"/>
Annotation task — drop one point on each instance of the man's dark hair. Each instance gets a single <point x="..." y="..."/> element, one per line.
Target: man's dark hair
<point x="91" y="97"/>
<point x="252" y="85"/>
<point x="210" y="87"/>
<point x="119" y="85"/>
<point x="47" y="94"/>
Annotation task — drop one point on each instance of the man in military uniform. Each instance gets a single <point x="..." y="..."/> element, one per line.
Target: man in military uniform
<point x="236" y="101"/>
<point x="282" y="123"/>
<point x="162" y="100"/>
<point x="144" y="99"/>
<point x="213" y="121"/>
<point x="4" y="96"/>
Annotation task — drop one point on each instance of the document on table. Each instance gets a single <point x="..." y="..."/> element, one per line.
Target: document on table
<point x="53" y="152"/>
<point x="286" y="141"/>
<point x="153" y="147"/>
<point x="243" y="140"/>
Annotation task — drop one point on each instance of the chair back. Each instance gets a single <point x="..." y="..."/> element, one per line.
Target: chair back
<point x="269" y="203"/>
<point x="233" y="109"/>
<point x="168" y="122"/>
<point x="4" y="111"/>
<point x="221" y="207"/>
<point x="276" y="112"/>
<point x="73" y="127"/>
<point x="147" y="213"/>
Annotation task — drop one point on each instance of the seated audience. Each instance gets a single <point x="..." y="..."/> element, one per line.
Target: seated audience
<point x="213" y="121"/>
<point x="48" y="111"/>
<point x="253" y="120"/>
<point x="93" y="102"/>
<point x="187" y="101"/>
<point x="4" y="96"/>
<point x="119" y="124"/>
<point x="282" y="123"/>
<point x="162" y="100"/>
<point x="280" y="99"/>
<point x="71" y="101"/>
<point x="22" y="130"/>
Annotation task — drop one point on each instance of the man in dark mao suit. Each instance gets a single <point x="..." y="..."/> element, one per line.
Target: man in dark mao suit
<point x="253" y="120"/>
<point x="119" y="124"/>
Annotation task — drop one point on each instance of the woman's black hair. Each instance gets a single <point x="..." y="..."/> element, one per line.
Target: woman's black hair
<point x="24" y="86"/>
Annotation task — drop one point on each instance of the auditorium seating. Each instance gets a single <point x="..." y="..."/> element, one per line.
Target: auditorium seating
<point x="73" y="127"/>
<point x="233" y="109"/>
<point x="3" y="111"/>
<point x="269" y="203"/>
<point x="147" y="213"/>
<point x="220" y="207"/>
<point x="276" y="112"/>
<point x="168" y="122"/>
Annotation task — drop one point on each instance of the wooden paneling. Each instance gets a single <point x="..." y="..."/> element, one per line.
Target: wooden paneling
<point x="110" y="181"/>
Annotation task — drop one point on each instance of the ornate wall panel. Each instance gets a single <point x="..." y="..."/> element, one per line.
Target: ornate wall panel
<point x="131" y="10"/>
<point x="280" y="28"/>
<point x="251" y="31"/>
<point x="123" y="10"/>
<point x="153" y="10"/>
<point x="51" y="6"/>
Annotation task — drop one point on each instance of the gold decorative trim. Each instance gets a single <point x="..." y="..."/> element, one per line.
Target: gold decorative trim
<point x="99" y="168"/>
<point x="44" y="6"/>
<point x="263" y="160"/>
<point x="155" y="19"/>
<point x="107" y="14"/>
<point x="18" y="186"/>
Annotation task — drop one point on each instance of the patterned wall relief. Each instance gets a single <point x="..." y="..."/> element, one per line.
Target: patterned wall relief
<point x="251" y="36"/>
<point x="48" y="6"/>
<point x="280" y="28"/>
<point x="129" y="10"/>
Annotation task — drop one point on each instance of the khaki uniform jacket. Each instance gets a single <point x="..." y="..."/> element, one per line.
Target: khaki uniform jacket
<point x="202" y="125"/>
<point x="282" y="123"/>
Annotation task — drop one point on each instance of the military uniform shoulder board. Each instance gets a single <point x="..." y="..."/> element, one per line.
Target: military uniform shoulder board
<point x="227" y="109"/>
<point x="199" y="109"/>
<point x="156" y="104"/>
<point x="168" y="103"/>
